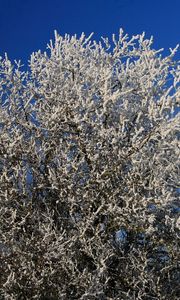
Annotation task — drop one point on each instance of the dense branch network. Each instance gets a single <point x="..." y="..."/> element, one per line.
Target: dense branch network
<point x="89" y="171"/>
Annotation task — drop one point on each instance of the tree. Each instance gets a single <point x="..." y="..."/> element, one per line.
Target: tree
<point x="89" y="171"/>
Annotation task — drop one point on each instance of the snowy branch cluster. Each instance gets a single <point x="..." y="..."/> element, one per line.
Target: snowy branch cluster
<point x="89" y="172"/>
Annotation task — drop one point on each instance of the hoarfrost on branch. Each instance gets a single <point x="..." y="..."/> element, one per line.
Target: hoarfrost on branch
<point x="89" y="171"/>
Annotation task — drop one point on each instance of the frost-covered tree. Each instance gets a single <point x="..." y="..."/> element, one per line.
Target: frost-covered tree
<point x="89" y="172"/>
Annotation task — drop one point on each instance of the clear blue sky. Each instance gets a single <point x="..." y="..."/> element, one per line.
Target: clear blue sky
<point x="28" y="25"/>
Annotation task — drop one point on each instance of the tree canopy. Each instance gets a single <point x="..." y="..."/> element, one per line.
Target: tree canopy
<point x="89" y="171"/>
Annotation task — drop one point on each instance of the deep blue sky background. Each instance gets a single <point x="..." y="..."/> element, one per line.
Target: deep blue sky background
<point x="28" y="25"/>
